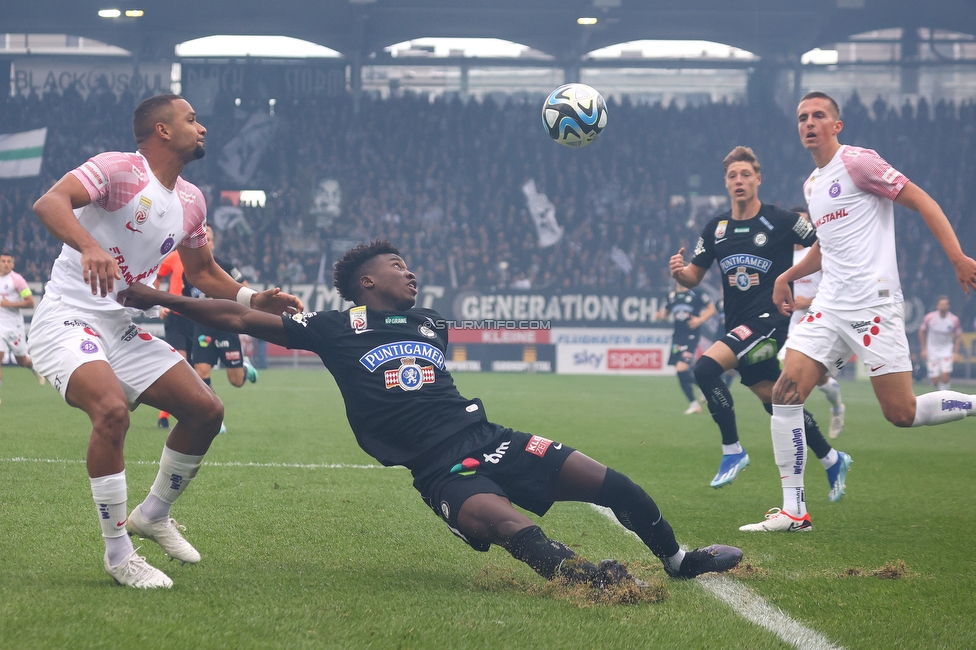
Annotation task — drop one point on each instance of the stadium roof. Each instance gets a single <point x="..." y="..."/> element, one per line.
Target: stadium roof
<point x="777" y="30"/>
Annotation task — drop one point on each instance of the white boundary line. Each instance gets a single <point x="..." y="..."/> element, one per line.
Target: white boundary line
<point x="72" y="461"/>
<point x="752" y="606"/>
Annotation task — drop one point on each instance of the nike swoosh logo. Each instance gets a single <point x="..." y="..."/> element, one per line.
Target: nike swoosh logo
<point x="364" y="331"/>
<point x="719" y="241"/>
<point x="121" y="523"/>
<point x="879" y="367"/>
<point x="559" y="446"/>
<point x="128" y="224"/>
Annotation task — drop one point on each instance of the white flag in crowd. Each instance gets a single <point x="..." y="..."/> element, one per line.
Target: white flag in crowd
<point x="240" y="157"/>
<point x="21" y="153"/>
<point x="543" y="214"/>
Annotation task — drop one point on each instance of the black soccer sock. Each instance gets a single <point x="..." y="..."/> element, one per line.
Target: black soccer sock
<point x="207" y="381"/>
<point x="815" y="438"/>
<point x="687" y="380"/>
<point x="708" y="374"/>
<point x="548" y="558"/>
<point x="637" y="512"/>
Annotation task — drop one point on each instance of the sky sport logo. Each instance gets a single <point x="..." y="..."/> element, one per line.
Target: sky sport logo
<point x="636" y="359"/>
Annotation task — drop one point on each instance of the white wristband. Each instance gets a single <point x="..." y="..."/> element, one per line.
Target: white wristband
<point x="244" y="296"/>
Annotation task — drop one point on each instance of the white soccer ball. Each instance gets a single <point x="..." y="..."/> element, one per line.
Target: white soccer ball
<point x="574" y="115"/>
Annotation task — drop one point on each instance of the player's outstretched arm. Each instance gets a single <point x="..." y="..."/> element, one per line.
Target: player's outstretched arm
<point x="689" y="276"/>
<point x="695" y="321"/>
<point x="204" y="273"/>
<point x="782" y="294"/>
<point x="54" y="209"/>
<point x="220" y="314"/>
<point x="917" y="199"/>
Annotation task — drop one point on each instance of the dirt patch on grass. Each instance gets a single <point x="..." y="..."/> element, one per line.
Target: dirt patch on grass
<point x="748" y="571"/>
<point x="896" y="570"/>
<point x="497" y="578"/>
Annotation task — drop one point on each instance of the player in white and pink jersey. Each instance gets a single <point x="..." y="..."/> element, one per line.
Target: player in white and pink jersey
<point x="940" y="336"/>
<point x="858" y="309"/>
<point x="118" y="215"/>
<point x="14" y="296"/>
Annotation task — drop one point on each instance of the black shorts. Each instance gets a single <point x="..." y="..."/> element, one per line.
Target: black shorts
<point x="211" y="346"/>
<point x="178" y="332"/>
<point x="682" y="353"/>
<point x="756" y="343"/>
<point x="515" y="465"/>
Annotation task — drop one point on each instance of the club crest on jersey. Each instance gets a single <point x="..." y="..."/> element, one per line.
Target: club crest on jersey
<point x="760" y="239"/>
<point x="410" y="375"/>
<point x="834" y="190"/>
<point x="402" y="350"/>
<point x="427" y="329"/>
<point x="302" y="317"/>
<point x="142" y="212"/>
<point x="167" y="245"/>
<point x="720" y="229"/>
<point x="743" y="280"/>
<point x="357" y="319"/>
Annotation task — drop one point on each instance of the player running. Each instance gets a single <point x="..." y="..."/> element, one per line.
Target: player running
<point x="177" y="329"/>
<point x="118" y="215"/>
<point x="804" y="289"/>
<point x="859" y="307"/>
<point x="387" y="356"/>
<point x="752" y="244"/>
<point x="940" y="336"/>
<point x="690" y="309"/>
<point x="14" y="296"/>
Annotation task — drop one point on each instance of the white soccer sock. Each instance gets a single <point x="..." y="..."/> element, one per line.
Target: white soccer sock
<point x="832" y="392"/>
<point x="790" y="452"/>
<point x="175" y="472"/>
<point x="942" y="406"/>
<point x="109" y="493"/>
<point x="829" y="460"/>
<point x="674" y="562"/>
<point x="942" y="385"/>
<point x="735" y="448"/>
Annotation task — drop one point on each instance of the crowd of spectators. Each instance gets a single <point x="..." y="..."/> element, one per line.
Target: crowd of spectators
<point x="443" y="180"/>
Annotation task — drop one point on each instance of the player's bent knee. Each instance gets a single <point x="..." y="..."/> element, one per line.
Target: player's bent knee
<point x="707" y="370"/>
<point x="900" y="415"/>
<point x="110" y="420"/>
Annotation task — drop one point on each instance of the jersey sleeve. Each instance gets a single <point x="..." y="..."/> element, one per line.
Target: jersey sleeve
<point x="872" y="173"/>
<point x="194" y="214"/>
<point x="704" y="253"/>
<point x="802" y="231"/>
<point x="957" y="329"/>
<point x="924" y="327"/>
<point x="112" y="178"/>
<point x="20" y="286"/>
<point x="308" y="331"/>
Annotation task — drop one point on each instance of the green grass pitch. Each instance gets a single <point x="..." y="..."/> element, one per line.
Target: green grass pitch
<point x="300" y="555"/>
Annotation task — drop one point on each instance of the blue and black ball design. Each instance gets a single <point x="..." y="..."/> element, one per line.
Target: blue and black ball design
<point x="574" y="115"/>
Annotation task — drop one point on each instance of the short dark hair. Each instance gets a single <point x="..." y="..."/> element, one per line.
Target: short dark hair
<point x="349" y="269"/>
<point x="742" y="154"/>
<point x="4" y="253"/>
<point x="148" y="114"/>
<point x="816" y="94"/>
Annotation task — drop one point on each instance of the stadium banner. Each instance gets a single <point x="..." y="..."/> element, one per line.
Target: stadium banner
<point x="239" y="158"/>
<point x="500" y="357"/>
<point x="611" y="351"/>
<point x="43" y="74"/>
<point x="558" y="309"/>
<point x="21" y="153"/>
<point x="204" y="80"/>
<point x="543" y="215"/>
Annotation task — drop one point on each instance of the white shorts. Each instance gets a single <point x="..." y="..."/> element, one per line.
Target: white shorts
<point x="876" y="335"/>
<point x="939" y="365"/>
<point x="64" y="337"/>
<point x="13" y="340"/>
<point x="794" y="321"/>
